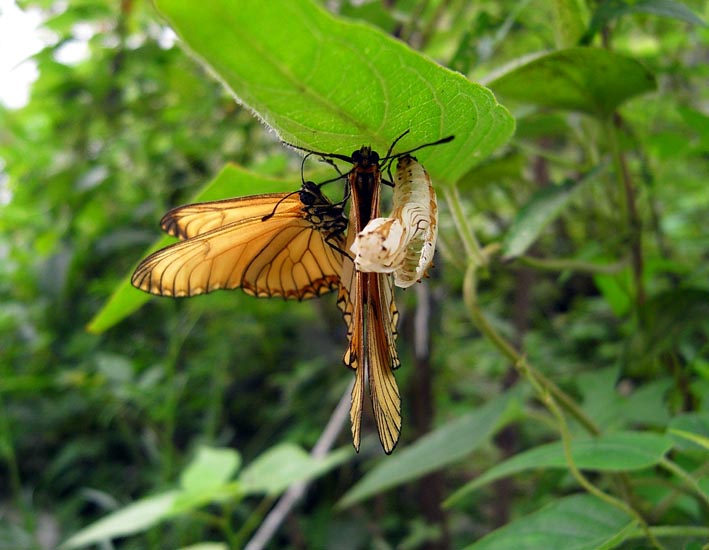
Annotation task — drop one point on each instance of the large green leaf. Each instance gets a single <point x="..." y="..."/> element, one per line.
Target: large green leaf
<point x="577" y="522"/>
<point x="446" y="445"/>
<point x="332" y="85"/>
<point x="618" y="452"/>
<point x="591" y="80"/>
<point x="232" y="181"/>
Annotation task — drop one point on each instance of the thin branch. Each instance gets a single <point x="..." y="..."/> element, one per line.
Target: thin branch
<point x="470" y="243"/>
<point x="290" y="498"/>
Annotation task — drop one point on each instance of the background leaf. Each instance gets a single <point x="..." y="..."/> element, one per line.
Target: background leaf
<point x="206" y="546"/>
<point x="285" y="464"/>
<point x="612" y="9"/>
<point x="618" y="452"/>
<point x="210" y="468"/>
<point x="670" y="314"/>
<point x="445" y="445"/>
<point x="134" y="518"/>
<point x="590" y="80"/>
<point x="544" y="206"/>
<point x="578" y="522"/>
<point x="570" y="21"/>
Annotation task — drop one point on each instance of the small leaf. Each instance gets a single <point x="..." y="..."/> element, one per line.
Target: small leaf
<point x="699" y="123"/>
<point x="611" y="9"/>
<point x="332" y="85"/>
<point x="446" y="445"/>
<point x="232" y="181"/>
<point x="570" y="21"/>
<point x="210" y="468"/>
<point x="619" y="452"/>
<point x="542" y="208"/>
<point x="134" y="518"/>
<point x="590" y="80"/>
<point x="285" y="464"/>
<point x="616" y="290"/>
<point x="617" y="410"/>
<point x="578" y="522"/>
<point x="188" y="501"/>
<point x="693" y="427"/>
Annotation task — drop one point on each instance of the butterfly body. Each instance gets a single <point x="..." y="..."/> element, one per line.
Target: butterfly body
<point x="370" y="314"/>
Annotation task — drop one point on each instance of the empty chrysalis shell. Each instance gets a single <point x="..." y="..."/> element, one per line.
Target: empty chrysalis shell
<point x="404" y="243"/>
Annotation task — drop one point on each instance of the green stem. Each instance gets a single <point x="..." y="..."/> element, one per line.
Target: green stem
<point x="676" y="492"/>
<point x="172" y="395"/>
<point x="673" y="531"/>
<point x="470" y="243"/>
<point x="551" y="404"/>
<point x="551" y="395"/>
<point x="232" y="537"/>
<point x="686" y="477"/>
<point x="255" y="518"/>
<point x="629" y="212"/>
<point x="7" y="448"/>
<point x="525" y="368"/>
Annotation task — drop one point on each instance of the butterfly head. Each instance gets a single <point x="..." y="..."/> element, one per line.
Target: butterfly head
<point x="311" y="195"/>
<point x="365" y="157"/>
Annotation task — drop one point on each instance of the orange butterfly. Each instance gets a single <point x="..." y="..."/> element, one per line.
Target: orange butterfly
<point x="276" y="244"/>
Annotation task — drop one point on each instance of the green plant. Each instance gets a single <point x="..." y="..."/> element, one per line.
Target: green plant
<point x="572" y="410"/>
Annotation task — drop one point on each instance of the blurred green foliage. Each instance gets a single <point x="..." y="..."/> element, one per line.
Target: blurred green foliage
<point x="609" y="298"/>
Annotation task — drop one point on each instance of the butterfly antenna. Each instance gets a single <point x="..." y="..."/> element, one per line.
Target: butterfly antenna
<point x="267" y="216"/>
<point x="302" y="168"/>
<point x="328" y="161"/>
<point x="390" y="157"/>
<point x="332" y="163"/>
<point x="393" y="143"/>
<point x="318" y="153"/>
<point x="340" y="176"/>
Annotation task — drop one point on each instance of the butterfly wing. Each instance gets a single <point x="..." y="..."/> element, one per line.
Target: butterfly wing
<point x="371" y="353"/>
<point x="191" y="220"/>
<point x="382" y="358"/>
<point x="285" y="255"/>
